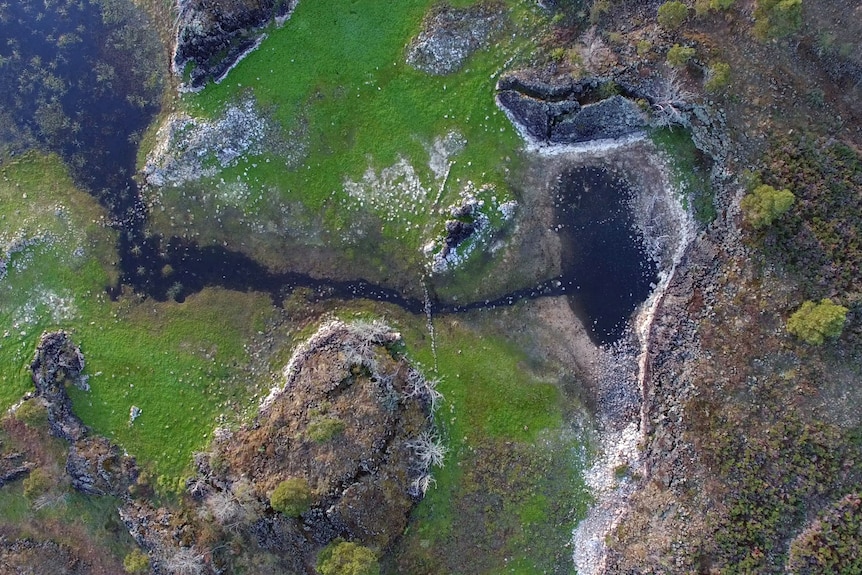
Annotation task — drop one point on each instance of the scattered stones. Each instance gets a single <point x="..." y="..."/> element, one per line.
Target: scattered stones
<point x="468" y="227"/>
<point x="450" y="35"/>
<point x="31" y="556"/>
<point x="187" y="145"/>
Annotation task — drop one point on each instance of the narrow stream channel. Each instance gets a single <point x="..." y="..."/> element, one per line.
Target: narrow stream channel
<point x="66" y="89"/>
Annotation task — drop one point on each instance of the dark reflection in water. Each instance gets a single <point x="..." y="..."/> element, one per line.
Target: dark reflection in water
<point x="81" y="78"/>
<point x="603" y="256"/>
<point x="81" y="82"/>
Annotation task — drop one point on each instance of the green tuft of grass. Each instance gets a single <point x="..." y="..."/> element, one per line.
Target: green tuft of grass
<point x="689" y="172"/>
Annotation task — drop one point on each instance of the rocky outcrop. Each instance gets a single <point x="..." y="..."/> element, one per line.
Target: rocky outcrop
<point x="95" y="465"/>
<point x="57" y="362"/>
<point x="11" y="471"/>
<point x="351" y="422"/>
<point x="450" y="35"/>
<point x="213" y="35"/>
<point x="159" y="533"/>
<point x="98" y="467"/>
<point x="564" y="111"/>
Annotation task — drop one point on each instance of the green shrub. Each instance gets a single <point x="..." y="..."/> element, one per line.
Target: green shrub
<point x="718" y="77"/>
<point x="814" y="322"/>
<point x="323" y="429"/>
<point x="291" y="497"/>
<point x="777" y="18"/>
<point x="32" y="413"/>
<point x="672" y="14"/>
<point x="643" y="47"/>
<point x="832" y="543"/>
<point x="678" y="56"/>
<point x="37" y="483"/>
<point x="136" y="562"/>
<point x="703" y="7"/>
<point x="762" y="206"/>
<point x="347" y="558"/>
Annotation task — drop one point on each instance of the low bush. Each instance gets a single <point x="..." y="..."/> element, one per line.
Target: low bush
<point x="815" y="322"/>
<point x="671" y="15"/>
<point x="777" y="18"/>
<point x="347" y="558"/>
<point x="37" y="483"/>
<point x="678" y="56"/>
<point x="765" y="204"/>
<point x="718" y="77"/>
<point x="136" y="562"/>
<point x="832" y="543"/>
<point x="291" y="497"/>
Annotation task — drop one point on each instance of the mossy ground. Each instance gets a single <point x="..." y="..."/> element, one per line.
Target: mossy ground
<point x="689" y="173"/>
<point x="188" y="367"/>
<point x="335" y="77"/>
<point x="182" y="364"/>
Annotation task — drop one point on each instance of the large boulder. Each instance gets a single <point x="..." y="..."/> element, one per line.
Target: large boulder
<point x="559" y="110"/>
<point x="608" y="119"/>
<point x="212" y="35"/>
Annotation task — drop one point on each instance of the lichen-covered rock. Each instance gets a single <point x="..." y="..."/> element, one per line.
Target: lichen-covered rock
<point x="57" y="362"/>
<point x="212" y="35"/>
<point x="346" y="422"/>
<point x="98" y="467"/>
<point x="450" y="35"/>
<point x="562" y="111"/>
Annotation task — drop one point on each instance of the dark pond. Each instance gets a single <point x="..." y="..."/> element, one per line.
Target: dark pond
<point x="604" y="259"/>
<point x="82" y="78"/>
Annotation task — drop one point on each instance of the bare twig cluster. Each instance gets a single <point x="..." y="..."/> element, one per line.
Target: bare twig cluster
<point x="417" y="386"/>
<point x="430" y="452"/>
<point x="670" y="102"/>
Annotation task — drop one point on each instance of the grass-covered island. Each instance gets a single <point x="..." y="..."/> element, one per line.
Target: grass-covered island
<point x="474" y="287"/>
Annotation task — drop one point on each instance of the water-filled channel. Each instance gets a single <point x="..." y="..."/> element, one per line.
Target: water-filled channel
<point x="71" y="85"/>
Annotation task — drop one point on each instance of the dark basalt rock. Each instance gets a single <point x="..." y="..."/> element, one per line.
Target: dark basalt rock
<point x="98" y="467"/>
<point x="58" y="361"/>
<point x="213" y="35"/>
<point x="537" y="116"/>
<point x="564" y="111"/>
<point x="95" y="465"/>
<point x="15" y="473"/>
<point x="612" y="118"/>
<point x="458" y="231"/>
